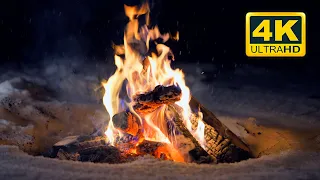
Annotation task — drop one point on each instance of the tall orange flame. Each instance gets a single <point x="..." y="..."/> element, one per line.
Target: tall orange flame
<point x="143" y="79"/>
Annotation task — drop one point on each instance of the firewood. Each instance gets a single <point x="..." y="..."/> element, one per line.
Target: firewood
<point x="127" y="122"/>
<point x="97" y="154"/>
<point x="104" y="154"/>
<point x="157" y="149"/>
<point x="90" y="149"/>
<point x="221" y="143"/>
<point x="146" y="103"/>
<point x="198" y="154"/>
<point x="67" y="141"/>
<point x="72" y="144"/>
<point x="150" y="101"/>
<point x="219" y="147"/>
<point x="93" y="149"/>
<point x="63" y="155"/>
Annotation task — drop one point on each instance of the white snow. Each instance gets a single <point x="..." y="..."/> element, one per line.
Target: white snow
<point x="288" y="165"/>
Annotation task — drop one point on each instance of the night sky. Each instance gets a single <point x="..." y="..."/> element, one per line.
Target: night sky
<point x="210" y="31"/>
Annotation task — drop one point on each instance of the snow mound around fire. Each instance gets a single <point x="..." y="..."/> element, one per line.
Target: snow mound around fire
<point x="287" y="165"/>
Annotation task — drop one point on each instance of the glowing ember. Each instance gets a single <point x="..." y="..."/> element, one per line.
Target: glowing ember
<point x="141" y="74"/>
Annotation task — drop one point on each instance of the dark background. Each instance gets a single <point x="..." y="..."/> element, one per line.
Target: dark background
<point x="210" y="31"/>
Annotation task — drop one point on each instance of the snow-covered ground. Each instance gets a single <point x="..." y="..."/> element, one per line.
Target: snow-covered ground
<point x="39" y="106"/>
<point x="16" y="165"/>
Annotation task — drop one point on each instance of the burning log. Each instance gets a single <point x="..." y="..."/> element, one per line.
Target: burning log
<point x="198" y="154"/>
<point x="126" y="122"/>
<point x="221" y="143"/>
<point x="220" y="148"/>
<point x="148" y="102"/>
<point x="94" y="149"/>
<point x="157" y="149"/>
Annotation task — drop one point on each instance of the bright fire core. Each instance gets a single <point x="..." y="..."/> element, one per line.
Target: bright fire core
<point x="142" y="74"/>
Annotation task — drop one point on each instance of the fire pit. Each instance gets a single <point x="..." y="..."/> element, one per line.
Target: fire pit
<point x="156" y="114"/>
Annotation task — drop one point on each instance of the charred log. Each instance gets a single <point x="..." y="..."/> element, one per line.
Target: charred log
<point x="150" y="101"/>
<point x="73" y="144"/>
<point x="91" y="149"/>
<point x="64" y="155"/>
<point x="104" y="154"/>
<point x="221" y="143"/>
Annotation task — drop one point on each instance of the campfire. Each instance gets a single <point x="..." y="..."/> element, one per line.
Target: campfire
<point x="151" y="109"/>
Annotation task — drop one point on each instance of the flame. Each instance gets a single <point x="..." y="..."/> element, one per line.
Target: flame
<point x="199" y="133"/>
<point x="176" y="36"/>
<point x="110" y="98"/>
<point x="143" y="74"/>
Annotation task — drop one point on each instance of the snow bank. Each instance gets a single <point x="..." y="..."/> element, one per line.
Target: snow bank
<point x="15" y="164"/>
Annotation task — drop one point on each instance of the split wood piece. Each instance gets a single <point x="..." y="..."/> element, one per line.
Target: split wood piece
<point x="74" y="144"/>
<point x="92" y="149"/>
<point x="219" y="147"/>
<point x="126" y="122"/>
<point x="150" y="101"/>
<point x="221" y="142"/>
<point x="198" y="154"/>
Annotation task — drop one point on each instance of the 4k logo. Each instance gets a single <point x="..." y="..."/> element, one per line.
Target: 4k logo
<point x="275" y="34"/>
